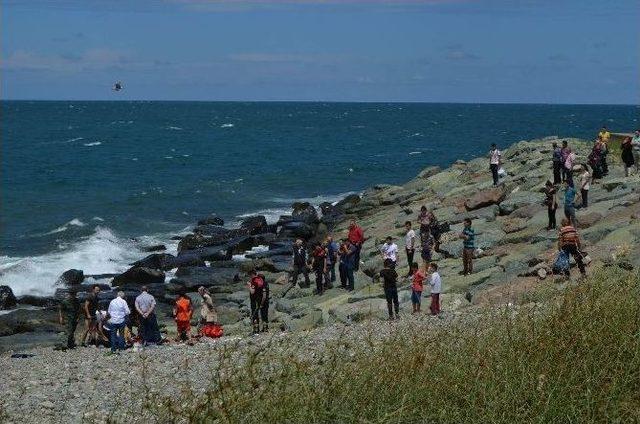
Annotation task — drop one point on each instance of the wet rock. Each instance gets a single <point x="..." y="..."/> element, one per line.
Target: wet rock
<point x="255" y="224"/>
<point x="7" y="298"/>
<point x="212" y="219"/>
<point x="305" y="212"/>
<point x="71" y="277"/>
<point x="156" y="261"/>
<point x="43" y="302"/>
<point x="155" y="248"/>
<point x="484" y="198"/>
<point x="190" y="278"/>
<point x="215" y="253"/>
<point x="348" y="202"/>
<point x="138" y="275"/>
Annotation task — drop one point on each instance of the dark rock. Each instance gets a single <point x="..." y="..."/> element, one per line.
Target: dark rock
<point x="156" y="261"/>
<point x="484" y="198"/>
<point x="527" y="211"/>
<point x="176" y="237"/>
<point x="214" y="253"/>
<point x="298" y="230"/>
<point x="348" y="202"/>
<point x="139" y="275"/>
<point x="269" y="253"/>
<point x="29" y="320"/>
<point x="212" y="219"/>
<point x="258" y="265"/>
<point x="305" y="212"/>
<point x="157" y="290"/>
<point x="190" y="278"/>
<point x="215" y="230"/>
<point x="155" y="248"/>
<point x="255" y="225"/>
<point x="7" y="298"/>
<point x="429" y="172"/>
<point x="42" y="302"/>
<point x="71" y="277"/>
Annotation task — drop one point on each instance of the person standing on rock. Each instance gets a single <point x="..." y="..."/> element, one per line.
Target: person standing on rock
<point x="417" y="286"/>
<point x="569" y="206"/>
<point x="145" y="305"/>
<point x="68" y="312"/>
<point x="182" y="313"/>
<point x="568" y="166"/>
<point x="569" y="242"/>
<point x="356" y="237"/>
<point x="551" y="201"/>
<point x="635" y="143"/>
<point x="468" y="235"/>
<point x="595" y="160"/>
<point x="495" y="156"/>
<point x="627" y="155"/>
<point x="427" y="242"/>
<point x="389" y="281"/>
<point x="118" y="312"/>
<point x="350" y="257"/>
<point x="300" y="264"/>
<point x="557" y="164"/>
<point x="332" y="259"/>
<point x="89" y="309"/>
<point x="342" y="259"/>
<point x="259" y="301"/>
<point x="564" y="153"/>
<point x="409" y="244"/>
<point x="425" y="219"/>
<point x="435" y="282"/>
<point x="585" y="185"/>
<point x="389" y="251"/>
<point x="319" y="266"/>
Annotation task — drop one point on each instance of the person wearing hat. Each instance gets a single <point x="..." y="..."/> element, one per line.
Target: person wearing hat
<point x="389" y="251"/>
<point x="69" y="312"/>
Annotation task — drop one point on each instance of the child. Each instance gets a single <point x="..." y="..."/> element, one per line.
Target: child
<point x="417" y="279"/>
<point x="183" y="311"/>
<point x="390" y="278"/>
<point x="436" y="287"/>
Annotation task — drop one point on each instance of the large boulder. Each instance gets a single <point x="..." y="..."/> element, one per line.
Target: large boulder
<point x="212" y="219"/>
<point x="492" y="196"/>
<point x="255" y="225"/>
<point x="138" y="275"/>
<point x="156" y="261"/>
<point x="7" y="298"/>
<point x="305" y="212"/>
<point x="213" y="253"/>
<point x="348" y="202"/>
<point x="589" y="219"/>
<point x="190" y="278"/>
<point x="71" y="277"/>
<point x="154" y="248"/>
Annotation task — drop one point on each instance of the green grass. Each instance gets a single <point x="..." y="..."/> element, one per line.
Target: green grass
<point x="576" y="359"/>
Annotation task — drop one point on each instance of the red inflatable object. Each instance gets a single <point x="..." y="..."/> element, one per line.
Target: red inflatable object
<point x="212" y="330"/>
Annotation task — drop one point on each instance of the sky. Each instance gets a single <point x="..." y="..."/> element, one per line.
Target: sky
<point x="506" y="51"/>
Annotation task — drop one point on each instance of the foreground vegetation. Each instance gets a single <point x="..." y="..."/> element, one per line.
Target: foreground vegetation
<point x="575" y="358"/>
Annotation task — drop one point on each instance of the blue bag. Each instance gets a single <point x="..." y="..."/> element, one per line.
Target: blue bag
<point x="561" y="263"/>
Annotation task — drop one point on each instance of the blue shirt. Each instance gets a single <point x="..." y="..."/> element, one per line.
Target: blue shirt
<point x="332" y="248"/>
<point x="350" y="260"/>
<point x="569" y="196"/>
<point x="470" y="240"/>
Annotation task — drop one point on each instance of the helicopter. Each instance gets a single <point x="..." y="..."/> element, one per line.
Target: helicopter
<point x="117" y="86"/>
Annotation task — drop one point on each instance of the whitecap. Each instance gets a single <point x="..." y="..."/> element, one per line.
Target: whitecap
<point x="185" y="156"/>
<point x="415" y="153"/>
<point x="226" y="125"/>
<point x="134" y="159"/>
<point x="95" y="143"/>
<point x="350" y="169"/>
<point x="71" y="140"/>
<point x="76" y="222"/>
<point x="168" y="157"/>
<point x="97" y="218"/>
<point x="239" y="180"/>
<point x="174" y="128"/>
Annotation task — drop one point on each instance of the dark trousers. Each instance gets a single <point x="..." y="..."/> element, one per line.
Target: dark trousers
<point x="605" y="166"/>
<point x="297" y="270"/>
<point x="435" y="303"/>
<point x="149" y="330"/>
<point x="342" y="270"/>
<point x="357" y="257"/>
<point x="494" y="173"/>
<point x="552" y="216"/>
<point x="467" y="260"/>
<point x="350" y="278"/>
<point x="319" y="280"/>
<point x="585" y="197"/>
<point x="70" y="331"/>
<point x="410" y="253"/>
<point x="573" y="250"/>
<point x="391" y="294"/>
<point x="568" y="175"/>
<point x="117" y="336"/>
<point x="332" y="272"/>
<point x="570" y="214"/>
<point x="557" y="170"/>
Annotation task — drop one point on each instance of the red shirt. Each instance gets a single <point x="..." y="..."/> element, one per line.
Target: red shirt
<point x="418" y="280"/>
<point x="356" y="235"/>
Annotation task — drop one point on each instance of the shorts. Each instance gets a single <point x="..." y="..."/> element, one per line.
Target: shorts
<point x="416" y="297"/>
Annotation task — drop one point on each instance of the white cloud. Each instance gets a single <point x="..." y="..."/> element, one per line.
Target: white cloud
<point x="92" y="59"/>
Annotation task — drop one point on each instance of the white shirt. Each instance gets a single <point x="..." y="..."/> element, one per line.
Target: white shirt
<point x="585" y="181"/>
<point x="436" y="283"/>
<point x="570" y="159"/>
<point x="390" y="251"/>
<point x="410" y="239"/>
<point x="118" y="310"/>
<point x="495" y="157"/>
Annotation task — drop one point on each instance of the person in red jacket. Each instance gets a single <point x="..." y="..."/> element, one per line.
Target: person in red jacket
<point x="356" y="237"/>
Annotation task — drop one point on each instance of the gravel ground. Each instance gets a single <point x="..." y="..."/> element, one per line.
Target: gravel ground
<point x="87" y="385"/>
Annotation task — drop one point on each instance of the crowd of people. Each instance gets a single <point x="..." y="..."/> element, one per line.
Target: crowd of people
<point x="113" y="325"/>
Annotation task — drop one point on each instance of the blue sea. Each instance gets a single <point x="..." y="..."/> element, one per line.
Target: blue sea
<point x="85" y="184"/>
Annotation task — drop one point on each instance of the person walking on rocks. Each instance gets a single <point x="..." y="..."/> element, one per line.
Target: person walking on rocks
<point x="350" y="257"/>
<point x="356" y="237"/>
<point x="259" y="301"/>
<point x="569" y="242"/>
<point x="145" y="305"/>
<point x="635" y="143"/>
<point x="209" y="326"/>
<point x="495" y="159"/>
<point x="468" y="235"/>
<point x="595" y="160"/>
<point x="332" y="259"/>
<point x="569" y="206"/>
<point x="551" y="201"/>
<point x="409" y="244"/>
<point x="417" y="286"/>
<point x="300" y="264"/>
<point x="557" y="164"/>
<point x="118" y="312"/>
<point x="89" y="309"/>
<point x="68" y="312"/>
<point x="435" y="282"/>
<point x="627" y="155"/>
<point x="389" y="281"/>
<point x="585" y="185"/>
<point x="564" y="151"/>
<point x="182" y="313"/>
<point x="319" y="266"/>
<point x="568" y="166"/>
<point x="389" y="251"/>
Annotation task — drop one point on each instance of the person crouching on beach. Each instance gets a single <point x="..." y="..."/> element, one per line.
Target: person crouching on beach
<point x="182" y="313"/>
<point x="390" y="279"/>
<point x="435" y="283"/>
<point x="417" y="286"/>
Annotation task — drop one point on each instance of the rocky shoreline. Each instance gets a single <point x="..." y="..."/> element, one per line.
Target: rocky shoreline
<point x="515" y="251"/>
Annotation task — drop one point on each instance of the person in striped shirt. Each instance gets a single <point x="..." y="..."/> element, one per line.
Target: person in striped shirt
<point x="468" y="236"/>
<point x="569" y="242"/>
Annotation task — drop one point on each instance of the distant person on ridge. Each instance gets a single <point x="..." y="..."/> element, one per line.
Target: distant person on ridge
<point x="145" y="306"/>
<point x="118" y="312"/>
<point x="319" y="266"/>
<point x="299" y="264"/>
<point x="425" y="219"/>
<point x="565" y="153"/>
<point x="635" y="142"/>
<point x="409" y="244"/>
<point x="557" y="164"/>
<point x="551" y="201"/>
<point x="569" y="242"/>
<point x="356" y="237"/>
<point x="435" y="282"/>
<point x="389" y="281"/>
<point x="68" y="312"/>
<point x="468" y="235"/>
<point x="389" y="251"/>
<point x="495" y="159"/>
<point x="569" y="205"/>
<point x="585" y="185"/>
<point x="627" y="155"/>
<point x="182" y="313"/>
<point x="89" y="310"/>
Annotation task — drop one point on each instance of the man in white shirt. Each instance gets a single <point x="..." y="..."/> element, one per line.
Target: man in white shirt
<point x="495" y="156"/>
<point x="390" y="251"/>
<point x="145" y="306"/>
<point x="409" y="244"/>
<point x="118" y="312"/>
<point x="436" y="287"/>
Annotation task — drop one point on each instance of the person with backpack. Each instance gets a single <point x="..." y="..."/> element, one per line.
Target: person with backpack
<point x="557" y="164"/>
<point x="182" y="313"/>
<point x="299" y="264"/>
<point x="495" y="158"/>
<point x="389" y="283"/>
<point x="604" y="135"/>
<point x="569" y="243"/>
<point x="319" y="266"/>
<point x="551" y="201"/>
<point x="259" y="301"/>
